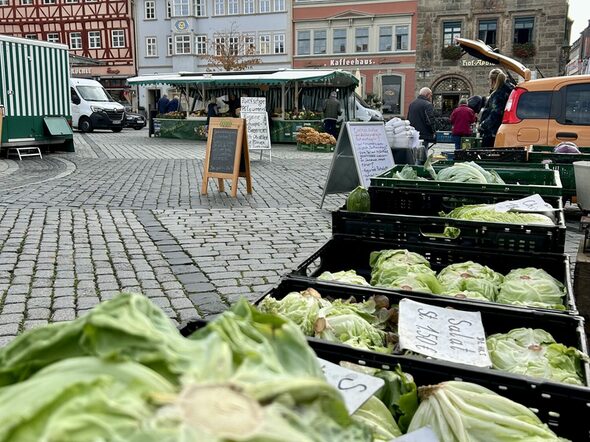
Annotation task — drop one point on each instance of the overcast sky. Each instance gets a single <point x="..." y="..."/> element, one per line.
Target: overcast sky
<point x="579" y="12"/>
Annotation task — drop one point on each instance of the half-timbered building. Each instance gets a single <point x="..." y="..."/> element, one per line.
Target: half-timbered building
<point x="97" y="30"/>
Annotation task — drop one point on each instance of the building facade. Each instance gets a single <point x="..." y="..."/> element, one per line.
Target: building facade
<point x="373" y="39"/>
<point x="177" y="36"/>
<point x="579" y="56"/>
<point x="100" y="31"/>
<point x="535" y="32"/>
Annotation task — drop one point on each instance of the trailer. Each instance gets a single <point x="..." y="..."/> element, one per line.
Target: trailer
<point x="35" y="95"/>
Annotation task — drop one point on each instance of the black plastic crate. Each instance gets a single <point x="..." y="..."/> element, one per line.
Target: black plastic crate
<point x="430" y="202"/>
<point x="430" y="229"/>
<point x="504" y="154"/>
<point x="518" y="181"/>
<point x="349" y="252"/>
<point x="555" y="404"/>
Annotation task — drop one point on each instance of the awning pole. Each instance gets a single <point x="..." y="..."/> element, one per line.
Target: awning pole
<point x="283" y="100"/>
<point x="297" y="96"/>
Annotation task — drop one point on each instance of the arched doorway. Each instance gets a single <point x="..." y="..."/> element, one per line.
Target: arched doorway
<point x="446" y="94"/>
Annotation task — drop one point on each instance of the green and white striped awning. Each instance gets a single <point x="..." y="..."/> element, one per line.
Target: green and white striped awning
<point x="333" y="78"/>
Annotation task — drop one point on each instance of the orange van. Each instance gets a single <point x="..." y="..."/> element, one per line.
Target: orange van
<point x="545" y="111"/>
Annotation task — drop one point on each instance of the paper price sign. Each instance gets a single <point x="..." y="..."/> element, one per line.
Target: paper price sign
<point x="442" y="333"/>
<point x="533" y="203"/>
<point x="356" y="388"/>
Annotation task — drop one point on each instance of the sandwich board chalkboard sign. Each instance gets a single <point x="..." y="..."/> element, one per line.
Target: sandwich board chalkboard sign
<point x="253" y="110"/>
<point x="362" y="152"/>
<point x="226" y="155"/>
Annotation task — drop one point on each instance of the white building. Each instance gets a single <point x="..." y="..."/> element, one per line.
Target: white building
<point x="176" y="35"/>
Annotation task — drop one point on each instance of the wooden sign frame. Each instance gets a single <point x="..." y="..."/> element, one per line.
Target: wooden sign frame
<point x="241" y="160"/>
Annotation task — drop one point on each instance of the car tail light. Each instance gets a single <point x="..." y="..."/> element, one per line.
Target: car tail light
<point x="510" y="116"/>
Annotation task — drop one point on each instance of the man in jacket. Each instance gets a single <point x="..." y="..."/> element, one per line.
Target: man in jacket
<point x="332" y="110"/>
<point x="421" y="116"/>
<point x="462" y="118"/>
<point x="173" y="105"/>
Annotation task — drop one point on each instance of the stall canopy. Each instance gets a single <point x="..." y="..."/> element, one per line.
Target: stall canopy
<point x="284" y="89"/>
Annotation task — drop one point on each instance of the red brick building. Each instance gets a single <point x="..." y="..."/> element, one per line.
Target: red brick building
<point x="373" y="39"/>
<point x="98" y="30"/>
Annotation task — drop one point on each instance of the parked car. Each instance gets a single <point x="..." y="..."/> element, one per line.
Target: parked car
<point x="545" y="111"/>
<point x="136" y="121"/>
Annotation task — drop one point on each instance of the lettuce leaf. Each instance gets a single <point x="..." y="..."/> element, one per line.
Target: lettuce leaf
<point x="347" y="277"/>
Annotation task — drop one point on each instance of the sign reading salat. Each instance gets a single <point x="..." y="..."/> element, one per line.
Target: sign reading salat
<point x="356" y="388"/>
<point x="442" y="333"/>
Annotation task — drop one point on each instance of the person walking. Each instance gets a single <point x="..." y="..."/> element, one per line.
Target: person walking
<point x="421" y="116"/>
<point x="332" y="110"/>
<point x="491" y="117"/>
<point x="163" y="104"/>
<point x="462" y="118"/>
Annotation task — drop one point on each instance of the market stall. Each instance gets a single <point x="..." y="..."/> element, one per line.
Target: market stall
<point x="294" y="98"/>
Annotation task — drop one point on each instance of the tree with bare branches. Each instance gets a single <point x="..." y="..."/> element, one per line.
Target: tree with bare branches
<point x="231" y="50"/>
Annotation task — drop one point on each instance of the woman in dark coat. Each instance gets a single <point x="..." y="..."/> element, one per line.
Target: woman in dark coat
<point x="491" y="117"/>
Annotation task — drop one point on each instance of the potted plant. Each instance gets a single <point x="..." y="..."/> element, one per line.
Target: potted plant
<point x="451" y="52"/>
<point x="524" y="50"/>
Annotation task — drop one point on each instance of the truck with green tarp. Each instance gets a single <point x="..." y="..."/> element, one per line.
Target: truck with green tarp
<point x="34" y="94"/>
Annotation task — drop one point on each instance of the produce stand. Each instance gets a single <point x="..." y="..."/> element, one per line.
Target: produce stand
<point x="287" y="91"/>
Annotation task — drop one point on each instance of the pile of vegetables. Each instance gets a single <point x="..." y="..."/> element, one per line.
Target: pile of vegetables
<point x="308" y="135"/>
<point x="487" y="212"/>
<point x="359" y="200"/>
<point x="405" y="270"/>
<point x="534" y="352"/>
<point x="123" y="372"/>
<point x="469" y="172"/>
<point x="369" y="325"/>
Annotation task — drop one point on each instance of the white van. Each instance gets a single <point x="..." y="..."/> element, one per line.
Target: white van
<point x="364" y="113"/>
<point x="93" y="107"/>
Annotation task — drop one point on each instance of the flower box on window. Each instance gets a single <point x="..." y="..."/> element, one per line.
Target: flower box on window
<point x="451" y="52"/>
<point x="524" y="50"/>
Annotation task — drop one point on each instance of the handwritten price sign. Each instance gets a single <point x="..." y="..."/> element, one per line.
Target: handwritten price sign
<point x="533" y="203"/>
<point x="356" y="388"/>
<point x="441" y="333"/>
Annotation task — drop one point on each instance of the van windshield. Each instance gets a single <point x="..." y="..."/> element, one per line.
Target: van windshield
<point x="94" y="93"/>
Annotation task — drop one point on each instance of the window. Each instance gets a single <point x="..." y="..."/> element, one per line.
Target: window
<point x="53" y="37"/>
<point x="361" y="39"/>
<point x="279" y="5"/>
<point x="47" y="2"/>
<point x="264" y="46"/>
<point x="219" y="7"/>
<point x="183" y="44"/>
<point x="534" y="105"/>
<point x="67" y="1"/>
<point x="234" y="46"/>
<point x="22" y="2"/>
<point x="391" y="86"/>
<point x="385" y="38"/>
<point x="279" y="43"/>
<point x="94" y="40"/>
<point x="149" y="12"/>
<point x="401" y="38"/>
<point x="199" y="8"/>
<point x="487" y="31"/>
<point x="264" y="6"/>
<point x="248" y="6"/>
<point x="523" y="29"/>
<point x="75" y="40"/>
<point x="3" y="2"/>
<point x="233" y="7"/>
<point x="250" y="44"/>
<point x="170" y="46"/>
<point x="31" y="36"/>
<point x="168" y="8"/>
<point x="339" y="41"/>
<point x="118" y="38"/>
<point x="319" y="42"/>
<point x="450" y="31"/>
<point x="151" y="47"/>
<point x="181" y="8"/>
<point x="303" y="40"/>
<point x="219" y="45"/>
<point x="577" y="104"/>
<point x="201" y="44"/>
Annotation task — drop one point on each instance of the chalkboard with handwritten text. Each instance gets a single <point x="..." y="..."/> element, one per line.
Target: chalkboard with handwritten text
<point x="223" y="150"/>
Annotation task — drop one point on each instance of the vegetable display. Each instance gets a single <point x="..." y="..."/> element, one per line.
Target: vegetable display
<point x="531" y="287"/>
<point x="487" y="212"/>
<point x="359" y="200"/>
<point x="469" y="172"/>
<point x="534" y="352"/>
<point x="462" y="411"/>
<point x="348" y="277"/>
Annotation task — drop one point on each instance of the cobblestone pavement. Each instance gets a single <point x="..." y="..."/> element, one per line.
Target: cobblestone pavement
<point x="124" y="212"/>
